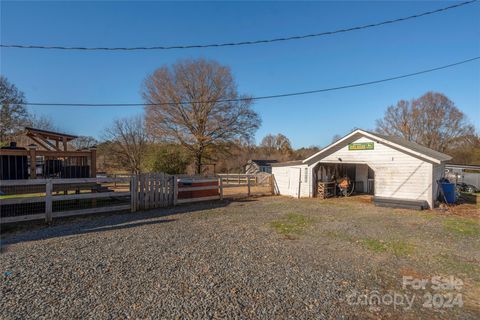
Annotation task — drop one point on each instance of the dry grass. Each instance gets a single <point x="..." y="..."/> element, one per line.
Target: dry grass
<point x="291" y="225"/>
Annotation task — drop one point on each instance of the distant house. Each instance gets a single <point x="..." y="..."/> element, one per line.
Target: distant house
<point x="256" y="166"/>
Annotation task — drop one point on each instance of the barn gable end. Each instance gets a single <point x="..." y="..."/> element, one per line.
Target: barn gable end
<point x="402" y="170"/>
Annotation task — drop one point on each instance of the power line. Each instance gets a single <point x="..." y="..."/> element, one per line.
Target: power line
<point x="243" y="43"/>
<point x="255" y="98"/>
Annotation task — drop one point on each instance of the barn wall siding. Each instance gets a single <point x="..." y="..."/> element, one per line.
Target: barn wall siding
<point x="397" y="174"/>
<point x="281" y="179"/>
<point x="284" y="184"/>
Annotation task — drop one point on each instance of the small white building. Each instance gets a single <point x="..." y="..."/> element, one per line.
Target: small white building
<point x="397" y="172"/>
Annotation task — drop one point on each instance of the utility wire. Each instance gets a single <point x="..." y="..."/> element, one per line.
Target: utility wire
<point x="230" y="44"/>
<point x="258" y="97"/>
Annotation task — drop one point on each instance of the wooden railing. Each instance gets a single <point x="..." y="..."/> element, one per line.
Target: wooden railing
<point x="32" y="199"/>
<point x="198" y="189"/>
<point x="238" y="178"/>
<point x="243" y="183"/>
<point x="41" y="201"/>
<point x="33" y="153"/>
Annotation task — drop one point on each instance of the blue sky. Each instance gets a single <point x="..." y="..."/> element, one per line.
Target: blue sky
<point x="105" y="77"/>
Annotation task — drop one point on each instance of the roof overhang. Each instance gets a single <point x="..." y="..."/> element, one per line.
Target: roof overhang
<point x="56" y="136"/>
<point x="330" y="148"/>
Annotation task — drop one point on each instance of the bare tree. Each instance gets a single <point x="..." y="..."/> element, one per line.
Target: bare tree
<point x="432" y="120"/>
<point x="83" y="142"/>
<point x="13" y="113"/>
<point x="41" y="122"/>
<point x="466" y="151"/>
<point x="127" y="143"/>
<point x="283" y="144"/>
<point x="272" y="143"/>
<point x="268" y="143"/>
<point x="195" y="107"/>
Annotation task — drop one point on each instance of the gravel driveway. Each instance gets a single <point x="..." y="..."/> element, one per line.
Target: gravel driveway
<point x="265" y="258"/>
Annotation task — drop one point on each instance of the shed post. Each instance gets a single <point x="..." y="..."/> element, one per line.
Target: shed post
<point x="65" y="146"/>
<point x="33" y="161"/>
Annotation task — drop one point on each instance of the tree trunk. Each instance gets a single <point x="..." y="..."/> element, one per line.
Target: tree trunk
<point x="198" y="162"/>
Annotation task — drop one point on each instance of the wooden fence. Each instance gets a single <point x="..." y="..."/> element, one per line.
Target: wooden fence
<point x="22" y="200"/>
<point x="152" y="190"/>
<point x="246" y="184"/>
<point x="34" y="199"/>
<point x="51" y="198"/>
<point x="195" y="189"/>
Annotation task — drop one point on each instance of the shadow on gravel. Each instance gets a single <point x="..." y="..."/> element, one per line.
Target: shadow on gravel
<point x="63" y="227"/>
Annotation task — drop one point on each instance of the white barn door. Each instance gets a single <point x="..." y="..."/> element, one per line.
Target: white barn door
<point x="294" y="175"/>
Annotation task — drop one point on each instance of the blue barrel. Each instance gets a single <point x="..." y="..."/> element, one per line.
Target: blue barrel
<point x="449" y="191"/>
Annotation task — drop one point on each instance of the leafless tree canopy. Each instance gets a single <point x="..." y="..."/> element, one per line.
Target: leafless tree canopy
<point x="127" y="143"/>
<point x="13" y="114"/>
<point x="83" y="142"/>
<point x="279" y="142"/>
<point x="432" y="120"/>
<point x="42" y="122"/>
<point x="197" y="126"/>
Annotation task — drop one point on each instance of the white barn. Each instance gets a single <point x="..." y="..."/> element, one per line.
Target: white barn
<point x="394" y="170"/>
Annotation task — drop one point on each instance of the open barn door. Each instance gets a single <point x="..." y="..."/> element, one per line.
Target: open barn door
<point x="294" y="175"/>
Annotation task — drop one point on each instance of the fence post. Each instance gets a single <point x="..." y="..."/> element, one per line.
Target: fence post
<point x="93" y="161"/>
<point x="146" y="204"/>
<point x="48" y="201"/>
<point x="272" y="184"/>
<point x="175" y="190"/>
<point x="220" y="185"/>
<point x="248" y="184"/>
<point x="133" y="193"/>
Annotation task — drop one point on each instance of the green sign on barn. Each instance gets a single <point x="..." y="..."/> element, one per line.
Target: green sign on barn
<point x="361" y="146"/>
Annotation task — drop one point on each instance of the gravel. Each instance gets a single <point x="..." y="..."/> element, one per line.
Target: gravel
<point x="210" y="261"/>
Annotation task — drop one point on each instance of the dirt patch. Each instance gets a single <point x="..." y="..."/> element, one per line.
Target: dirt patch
<point x="468" y="205"/>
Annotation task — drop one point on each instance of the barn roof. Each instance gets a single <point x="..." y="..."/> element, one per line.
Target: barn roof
<point x="398" y="143"/>
<point x="416" y="147"/>
<point x="264" y="162"/>
<point x="288" y="163"/>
